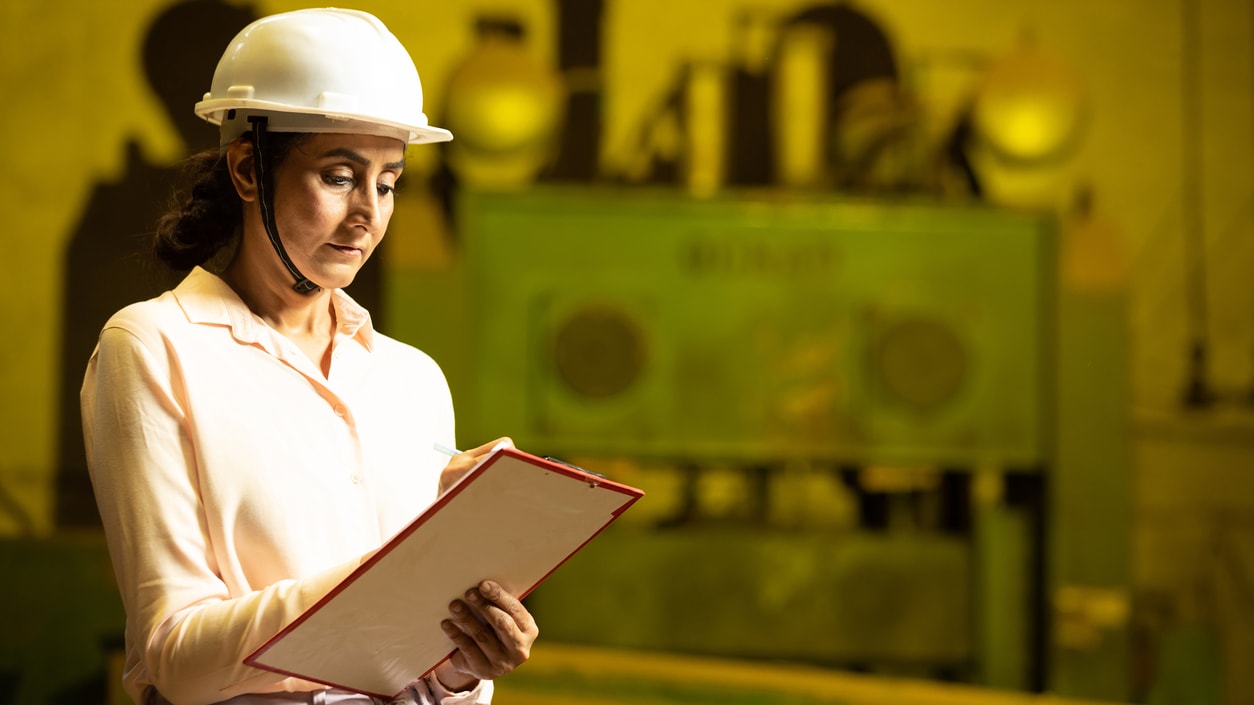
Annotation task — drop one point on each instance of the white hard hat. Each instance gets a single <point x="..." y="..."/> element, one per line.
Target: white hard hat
<point x="319" y="70"/>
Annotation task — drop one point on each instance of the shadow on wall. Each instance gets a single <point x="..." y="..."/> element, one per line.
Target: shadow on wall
<point x="107" y="265"/>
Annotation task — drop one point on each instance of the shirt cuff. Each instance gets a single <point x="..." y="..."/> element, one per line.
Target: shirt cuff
<point x="437" y="694"/>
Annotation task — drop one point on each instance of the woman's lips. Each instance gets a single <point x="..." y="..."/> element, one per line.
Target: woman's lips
<point x="348" y="249"/>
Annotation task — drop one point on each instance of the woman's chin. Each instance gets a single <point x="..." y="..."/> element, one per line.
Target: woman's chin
<point x="334" y="277"/>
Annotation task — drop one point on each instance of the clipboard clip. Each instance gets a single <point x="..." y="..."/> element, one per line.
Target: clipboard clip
<point x="572" y="466"/>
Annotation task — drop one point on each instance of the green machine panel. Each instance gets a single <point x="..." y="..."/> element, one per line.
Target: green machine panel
<point x="755" y="327"/>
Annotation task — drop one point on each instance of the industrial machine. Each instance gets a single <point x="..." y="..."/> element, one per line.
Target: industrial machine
<point x="766" y="331"/>
<point x="758" y="329"/>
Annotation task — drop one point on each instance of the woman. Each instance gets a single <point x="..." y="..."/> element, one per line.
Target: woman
<point x="251" y="438"/>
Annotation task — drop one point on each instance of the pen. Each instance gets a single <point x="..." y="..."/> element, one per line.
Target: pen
<point x="446" y="450"/>
<point x="551" y="459"/>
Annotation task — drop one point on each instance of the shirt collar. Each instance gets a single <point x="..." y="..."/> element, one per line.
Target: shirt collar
<point x="351" y="319"/>
<point x="208" y="300"/>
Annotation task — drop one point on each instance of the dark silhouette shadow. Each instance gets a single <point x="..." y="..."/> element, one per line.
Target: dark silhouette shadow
<point x="107" y="263"/>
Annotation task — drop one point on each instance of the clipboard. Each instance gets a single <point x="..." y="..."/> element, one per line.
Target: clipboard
<point x="513" y="518"/>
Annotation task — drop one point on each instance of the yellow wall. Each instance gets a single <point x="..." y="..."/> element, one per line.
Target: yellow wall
<point x="75" y="96"/>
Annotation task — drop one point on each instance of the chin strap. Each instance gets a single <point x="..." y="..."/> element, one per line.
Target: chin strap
<point x="265" y="187"/>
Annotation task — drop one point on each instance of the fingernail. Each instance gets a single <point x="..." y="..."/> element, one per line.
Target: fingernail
<point x="474" y="596"/>
<point x="457" y="607"/>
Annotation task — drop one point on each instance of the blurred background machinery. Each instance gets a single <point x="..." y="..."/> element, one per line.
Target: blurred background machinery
<point x="894" y="358"/>
<point x="759" y="329"/>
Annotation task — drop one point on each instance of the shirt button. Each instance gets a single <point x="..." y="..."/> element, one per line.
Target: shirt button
<point x="356" y="479"/>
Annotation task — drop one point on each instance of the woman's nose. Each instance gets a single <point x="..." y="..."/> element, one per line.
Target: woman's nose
<point x="366" y="203"/>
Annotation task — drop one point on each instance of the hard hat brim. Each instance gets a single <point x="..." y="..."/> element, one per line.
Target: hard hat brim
<point x="284" y="118"/>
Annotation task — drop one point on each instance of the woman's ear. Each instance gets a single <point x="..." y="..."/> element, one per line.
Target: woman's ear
<point x="239" y="161"/>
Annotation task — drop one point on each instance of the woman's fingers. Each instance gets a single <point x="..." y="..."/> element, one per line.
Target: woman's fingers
<point x="469" y="658"/>
<point x="507" y="613"/>
<point x="461" y="463"/>
<point x="492" y="629"/>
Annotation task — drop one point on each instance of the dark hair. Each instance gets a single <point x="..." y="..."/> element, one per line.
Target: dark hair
<point x="205" y="212"/>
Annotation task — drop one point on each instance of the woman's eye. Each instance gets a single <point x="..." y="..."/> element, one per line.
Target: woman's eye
<point x="386" y="189"/>
<point x="338" y="180"/>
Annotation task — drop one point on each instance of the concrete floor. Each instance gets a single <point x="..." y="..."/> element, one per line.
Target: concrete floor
<point x="560" y="674"/>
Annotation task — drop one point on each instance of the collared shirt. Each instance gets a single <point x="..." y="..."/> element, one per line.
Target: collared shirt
<point x="237" y="484"/>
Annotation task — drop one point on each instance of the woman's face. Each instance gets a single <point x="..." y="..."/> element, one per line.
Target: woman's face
<point x="333" y="200"/>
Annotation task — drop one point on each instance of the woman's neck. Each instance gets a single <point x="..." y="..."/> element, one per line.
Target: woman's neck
<point x="308" y="320"/>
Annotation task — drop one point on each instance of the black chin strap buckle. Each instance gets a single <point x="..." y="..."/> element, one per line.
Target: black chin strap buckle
<point x="305" y="286"/>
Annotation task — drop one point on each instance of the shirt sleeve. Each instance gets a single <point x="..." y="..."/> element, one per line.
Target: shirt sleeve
<point x="183" y="625"/>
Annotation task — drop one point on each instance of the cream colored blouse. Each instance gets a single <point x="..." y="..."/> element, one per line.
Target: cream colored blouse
<point x="237" y="485"/>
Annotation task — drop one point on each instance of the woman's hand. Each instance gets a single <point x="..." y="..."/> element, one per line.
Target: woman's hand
<point x="460" y="464"/>
<point x="493" y="633"/>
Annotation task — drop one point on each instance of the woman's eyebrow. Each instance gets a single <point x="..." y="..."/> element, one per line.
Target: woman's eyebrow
<point x="354" y="156"/>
